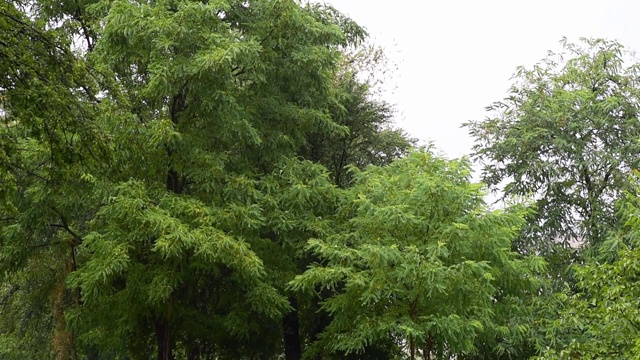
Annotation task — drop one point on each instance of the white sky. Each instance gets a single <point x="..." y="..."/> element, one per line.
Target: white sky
<point x="456" y="57"/>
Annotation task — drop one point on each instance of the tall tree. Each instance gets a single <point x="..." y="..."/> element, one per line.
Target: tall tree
<point x="370" y="138"/>
<point x="196" y="105"/>
<point x="48" y="139"/>
<point x="566" y="134"/>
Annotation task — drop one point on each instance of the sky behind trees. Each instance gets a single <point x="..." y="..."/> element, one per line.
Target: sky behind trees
<point x="454" y="58"/>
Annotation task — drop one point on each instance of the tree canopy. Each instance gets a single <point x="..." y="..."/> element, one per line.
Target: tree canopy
<point x="565" y="135"/>
<point x="420" y="259"/>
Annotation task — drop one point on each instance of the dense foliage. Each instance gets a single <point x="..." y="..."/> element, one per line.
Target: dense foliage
<point x="218" y="180"/>
<point x="419" y="260"/>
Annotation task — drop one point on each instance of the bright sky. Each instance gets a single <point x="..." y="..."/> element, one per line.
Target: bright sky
<point x="456" y="57"/>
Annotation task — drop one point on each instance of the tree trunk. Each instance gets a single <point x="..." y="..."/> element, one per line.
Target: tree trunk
<point x="412" y="343"/>
<point x="428" y="345"/>
<point x="163" y="337"/>
<point x="412" y="348"/>
<point x="291" y="332"/>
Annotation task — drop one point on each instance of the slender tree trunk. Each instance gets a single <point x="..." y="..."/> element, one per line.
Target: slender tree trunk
<point x="63" y="344"/>
<point x="291" y="332"/>
<point x="412" y="343"/>
<point x="163" y="321"/>
<point x="412" y="348"/>
<point x="163" y="337"/>
<point x="321" y="318"/>
<point x="428" y="348"/>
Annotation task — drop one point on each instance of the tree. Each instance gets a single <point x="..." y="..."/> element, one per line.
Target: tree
<point x="162" y="237"/>
<point x="48" y="130"/>
<point x="369" y="139"/>
<point x="566" y="134"/>
<point x="418" y="259"/>
<point x="243" y="85"/>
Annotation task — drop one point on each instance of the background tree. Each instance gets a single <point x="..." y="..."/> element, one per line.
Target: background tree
<point x="48" y="139"/>
<point x="566" y="134"/>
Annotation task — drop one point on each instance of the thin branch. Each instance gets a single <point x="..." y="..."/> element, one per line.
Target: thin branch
<point x="629" y="320"/>
<point x="83" y="25"/>
<point x="39" y="34"/>
<point x="78" y="239"/>
<point x="29" y="172"/>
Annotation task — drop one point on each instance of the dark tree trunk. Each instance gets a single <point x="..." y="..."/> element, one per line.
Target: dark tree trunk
<point x="428" y="345"/>
<point x="163" y="322"/>
<point x="163" y="337"/>
<point x="291" y="332"/>
<point x="412" y="349"/>
<point x="412" y="343"/>
<point x="174" y="182"/>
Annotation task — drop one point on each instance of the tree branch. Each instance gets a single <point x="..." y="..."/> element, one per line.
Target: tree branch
<point x="78" y="239"/>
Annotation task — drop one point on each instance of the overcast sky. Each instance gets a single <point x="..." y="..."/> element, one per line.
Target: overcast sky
<point x="456" y="57"/>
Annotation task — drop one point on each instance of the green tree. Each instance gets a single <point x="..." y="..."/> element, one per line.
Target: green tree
<point x="27" y="324"/>
<point x="418" y="259"/>
<point x="566" y="134"/>
<point x="369" y="139"/>
<point x="163" y="236"/>
<point x="47" y="131"/>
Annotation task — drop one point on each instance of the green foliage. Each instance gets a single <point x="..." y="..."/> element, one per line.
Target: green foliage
<point x="48" y="141"/>
<point x="600" y="318"/>
<point x="418" y="258"/>
<point x="566" y="134"/>
<point x="207" y="112"/>
<point x="149" y="151"/>
<point x="29" y="331"/>
<point x="189" y="180"/>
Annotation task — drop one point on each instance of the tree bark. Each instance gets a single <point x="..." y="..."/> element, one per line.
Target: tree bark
<point x="428" y="345"/>
<point x="291" y="332"/>
<point x="412" y="348"/>
<point x="412" y="343"/>
<point x="175" y="183"/>
<point x="163" y="338"/>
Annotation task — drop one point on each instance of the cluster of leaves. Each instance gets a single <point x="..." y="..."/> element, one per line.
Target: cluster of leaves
<point x="598" y="316"/>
